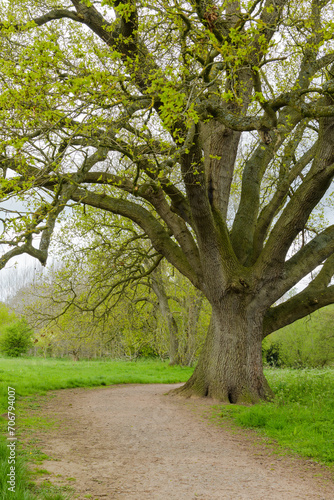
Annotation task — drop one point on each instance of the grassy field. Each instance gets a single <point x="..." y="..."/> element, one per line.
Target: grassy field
<point x="302" y="415"/>
<point x="301" y="418"/>
<point x="33" y="375"/>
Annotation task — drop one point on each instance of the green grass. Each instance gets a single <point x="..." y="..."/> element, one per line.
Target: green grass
<point x="300" y="418"/>
<point x="31" y="376"/>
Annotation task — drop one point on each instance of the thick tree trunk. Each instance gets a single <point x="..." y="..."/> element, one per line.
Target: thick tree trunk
<point x="230" y="365"/>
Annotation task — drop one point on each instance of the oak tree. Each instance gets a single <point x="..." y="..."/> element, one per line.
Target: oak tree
<point x="172" y="114"/>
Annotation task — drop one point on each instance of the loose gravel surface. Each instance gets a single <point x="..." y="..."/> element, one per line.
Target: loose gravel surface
<point x="134" y="442"/>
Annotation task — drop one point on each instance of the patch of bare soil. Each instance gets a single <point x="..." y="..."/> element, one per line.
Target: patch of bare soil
<point x="134" y="442"/>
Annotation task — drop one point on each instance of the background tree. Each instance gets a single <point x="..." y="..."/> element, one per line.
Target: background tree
<point x="148" y="111"/>
<point x="113" y="281"/>
<point x="18" y="275"/>
<point x="116" y="262"/>
<point x="6" y="316"/>
<point x="186" y="330"/>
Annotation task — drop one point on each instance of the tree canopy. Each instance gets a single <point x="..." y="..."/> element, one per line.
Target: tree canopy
<point x="209" y="124"/>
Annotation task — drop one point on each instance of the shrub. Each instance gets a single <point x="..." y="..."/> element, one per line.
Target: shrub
<point x="271" y="353"/>
<point x="16" y="339"/>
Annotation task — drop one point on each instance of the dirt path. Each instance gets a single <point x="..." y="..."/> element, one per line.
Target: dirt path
<point x="133" y="442"/>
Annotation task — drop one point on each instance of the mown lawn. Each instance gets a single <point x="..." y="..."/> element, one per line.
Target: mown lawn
<point x="31" y="375"/>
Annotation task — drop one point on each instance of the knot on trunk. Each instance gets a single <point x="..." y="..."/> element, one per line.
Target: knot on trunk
<point x="237" y="286"/>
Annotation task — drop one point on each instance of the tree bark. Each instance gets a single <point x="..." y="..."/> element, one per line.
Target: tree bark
<point x="193" y="305"/>
<point x="230" y="365"/>
<point x="159" y="290"/>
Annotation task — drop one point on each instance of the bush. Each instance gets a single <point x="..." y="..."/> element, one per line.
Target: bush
<point x="271" y="353"/>
<point x="16" y="339"/>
